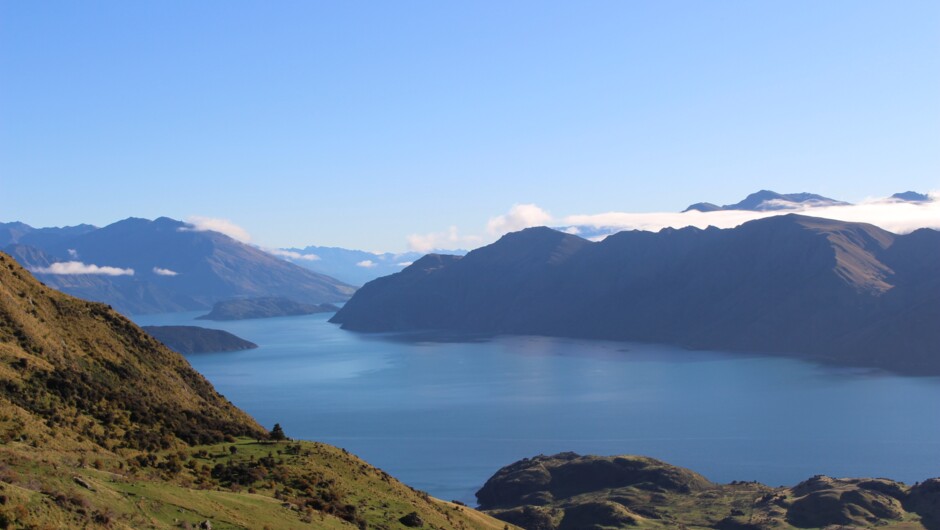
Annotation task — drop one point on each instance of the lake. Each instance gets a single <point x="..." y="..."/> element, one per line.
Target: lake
<point x="444" y="416"/>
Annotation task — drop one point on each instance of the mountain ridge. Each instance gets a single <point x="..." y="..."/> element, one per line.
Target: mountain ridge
<point x="166" y="265"/>
<point x="787" y="284"/>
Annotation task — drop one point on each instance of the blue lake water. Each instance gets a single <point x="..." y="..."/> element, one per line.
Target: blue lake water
<point x="443" y="417"/>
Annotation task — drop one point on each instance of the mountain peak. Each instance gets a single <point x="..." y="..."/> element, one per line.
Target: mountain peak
<point x="911" y="196"/>
<point x="768" y="200"/>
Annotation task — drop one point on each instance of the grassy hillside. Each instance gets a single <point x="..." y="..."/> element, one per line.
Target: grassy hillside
<point x="102" y="426"/>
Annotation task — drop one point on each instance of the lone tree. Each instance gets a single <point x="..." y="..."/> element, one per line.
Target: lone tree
<point x="277" y="433"/>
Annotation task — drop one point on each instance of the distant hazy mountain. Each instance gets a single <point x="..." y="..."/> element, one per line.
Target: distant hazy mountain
<point x="911" y="196"/>
<point x="836" y="291"/>
<point x="765" y="200"/>
<point x="143" y="266"/>
<point x="21" y="233"/>
<point x="355" y="267"/>
<point x="265" y="307"/>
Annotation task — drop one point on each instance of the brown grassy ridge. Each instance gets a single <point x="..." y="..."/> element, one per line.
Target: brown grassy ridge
<point x="101" y="426"/>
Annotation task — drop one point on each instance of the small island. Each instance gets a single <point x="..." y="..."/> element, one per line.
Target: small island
<point x="264" y="307"/>
<point x="193" y="339"/>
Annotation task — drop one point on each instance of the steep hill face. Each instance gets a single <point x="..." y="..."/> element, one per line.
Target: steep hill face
<point x="69" y="362"/>
<point x="164" y="265"/>
<point x="836" y="291"/>
<point x="573" y="492"/>
<point x="104" y="427"/>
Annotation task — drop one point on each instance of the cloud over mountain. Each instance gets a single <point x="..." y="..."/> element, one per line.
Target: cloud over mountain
<point x="198" y="223"/>
<point x="77" y="267"/>
<point x="894" y="214"/>
<point x="519" y="216"/>
<point x="891" y="214"/>
<point x="440" y="240"/>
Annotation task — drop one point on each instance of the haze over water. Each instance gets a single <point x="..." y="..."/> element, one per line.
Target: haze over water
<point x="443" y="417"/>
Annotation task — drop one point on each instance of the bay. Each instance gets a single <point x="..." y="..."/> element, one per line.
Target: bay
<point x="443" y="416"/>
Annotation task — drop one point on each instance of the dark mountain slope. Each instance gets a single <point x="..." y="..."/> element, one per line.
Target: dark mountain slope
<point x="844" y="292"/>
<point x="175" y="268"/>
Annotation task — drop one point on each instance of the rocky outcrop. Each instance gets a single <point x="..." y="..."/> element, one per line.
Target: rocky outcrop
<point x="568" y="491"/>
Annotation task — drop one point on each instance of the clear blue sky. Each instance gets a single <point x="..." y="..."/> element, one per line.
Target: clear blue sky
<point x="358" y="123"/>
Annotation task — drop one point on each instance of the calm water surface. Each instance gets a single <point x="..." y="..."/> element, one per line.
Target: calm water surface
<point x="443" y="417"/>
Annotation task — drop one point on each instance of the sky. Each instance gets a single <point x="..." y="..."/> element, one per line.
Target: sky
<point x="396" y="125"/>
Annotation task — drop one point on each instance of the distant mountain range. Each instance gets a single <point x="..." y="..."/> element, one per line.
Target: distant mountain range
<point x="355" y="267"/>
<point x="766" y="200"/>
<point x="790" y="284"/>
<point x="761" y="203"/>
<point x="164" y="265"/>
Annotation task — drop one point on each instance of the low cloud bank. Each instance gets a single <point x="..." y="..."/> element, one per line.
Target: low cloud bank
<point x="892" y="215"/>
<point x="77" y="267"/>
<point x="366" y="264"/>
<point x="450" y="239"/>
<point x="291" y="254"/>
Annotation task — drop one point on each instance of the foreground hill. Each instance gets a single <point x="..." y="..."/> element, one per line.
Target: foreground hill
<point x="830" y="290"/>
<point x="104" y="427"/>
<point x="572" y="492"/>
<point x="142" y="266"/>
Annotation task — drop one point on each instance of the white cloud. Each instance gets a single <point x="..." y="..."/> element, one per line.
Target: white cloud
<point x="366" y="263"/>
<point x="892" y="215"/>
<point x="291" y="254"/>
<point x="77" y="267"/>
<point x="442" y="240"/>
<point x="223" y="226"/>
<point x="519" y="216"/>
<point x="164" y="272"/>
<point x="405" y="263"/>
<point x="73" y="253"/>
